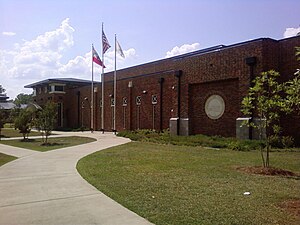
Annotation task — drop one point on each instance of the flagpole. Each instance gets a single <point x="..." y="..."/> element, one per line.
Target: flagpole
<point x="92" y="95"/>
<point x="102" y="89"/>
<point x="115" y="85"/>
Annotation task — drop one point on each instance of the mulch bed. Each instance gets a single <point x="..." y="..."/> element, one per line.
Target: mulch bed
<point x="268" y="171"/>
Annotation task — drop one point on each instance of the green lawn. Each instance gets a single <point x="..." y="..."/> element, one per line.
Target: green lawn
<point x="11" y="132"/>
<point x="60" y="142"/>
<point x="5" y="158"/>
<point x="184" y="185"/>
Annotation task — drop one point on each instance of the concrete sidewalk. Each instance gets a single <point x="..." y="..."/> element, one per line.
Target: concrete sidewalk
<point x="45" y="188"/>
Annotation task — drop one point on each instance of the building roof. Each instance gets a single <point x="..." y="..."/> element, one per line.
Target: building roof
<point x="71" y="81"/>
<point x="7" y="105"/>
<point x="3" y="97"/>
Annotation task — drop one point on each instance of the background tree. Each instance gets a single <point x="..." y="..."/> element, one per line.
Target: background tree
<point x="46" y="119"/>
<point x="2" y="120"/>
<point x="2" y="90"/>
<point x="265" y="98"/>
<point x="24" y="122"/>
<point x="23" y="99"/>
<point x="13" y="114"/>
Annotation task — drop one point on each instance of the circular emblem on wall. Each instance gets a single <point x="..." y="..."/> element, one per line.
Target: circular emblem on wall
<point x="214" y="107"/>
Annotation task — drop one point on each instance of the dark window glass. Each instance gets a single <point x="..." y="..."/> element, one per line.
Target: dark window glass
<point x="59" y="88"/>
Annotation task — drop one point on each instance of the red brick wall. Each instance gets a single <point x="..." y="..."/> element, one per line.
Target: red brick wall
<point x="201" y="123"/>
<point x="142" y="116"/>
<point x="288" y="65"/>
<point x="223" y="71"/>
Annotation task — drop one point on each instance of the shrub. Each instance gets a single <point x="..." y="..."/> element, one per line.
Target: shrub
<point x="287" y="141"/>
<point x="164" y="137"/>
<point x="282" y="142"/>
<point x="275" y="141"/>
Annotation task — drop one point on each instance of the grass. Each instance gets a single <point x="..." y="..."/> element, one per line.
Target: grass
<point x="6" y="158"/>
<point x="11" y="132"/>
<point x="174" y="185"/>
<point x="55" y="143"/>
<point x="9" y="125"/>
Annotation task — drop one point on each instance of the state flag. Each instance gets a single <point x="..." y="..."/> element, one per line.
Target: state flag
<point x="96" y="58"/>
<point x="119" y="50"/>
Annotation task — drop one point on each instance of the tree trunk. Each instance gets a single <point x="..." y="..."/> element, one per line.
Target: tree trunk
<point x="268" y="155"/>
<point x="262" y="156"/>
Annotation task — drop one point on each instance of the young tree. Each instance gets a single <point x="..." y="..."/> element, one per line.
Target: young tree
<point x="46" y="119"/>
<point x="23" y="122"/>
<point x="265" y="98"/>
<point x="292" y="89"/>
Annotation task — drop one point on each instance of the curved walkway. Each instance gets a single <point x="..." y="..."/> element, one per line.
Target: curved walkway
<point x="45" y="188"/>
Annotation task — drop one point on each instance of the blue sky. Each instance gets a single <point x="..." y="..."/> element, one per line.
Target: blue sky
<point x="52" y="38"/>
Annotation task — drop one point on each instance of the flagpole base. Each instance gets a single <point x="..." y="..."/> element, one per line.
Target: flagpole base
<point x="114" y="131"/>
<point x="102" y="131"/>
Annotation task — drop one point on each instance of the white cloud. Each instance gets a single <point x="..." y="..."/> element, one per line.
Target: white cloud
<point x="290" y="32"/>
<point x="182" y="49"/>
<point x="8" y="33"/>
<point x="81" y="66"/>
<point x="41" y="58"/>
<point x="36" y="59"/>
<point x="78" y="67"/>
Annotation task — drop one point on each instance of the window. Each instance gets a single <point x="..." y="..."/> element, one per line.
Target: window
<point x="58" y="88"/>
<point x="45" y="89"/>
<point x="154" y="99"/>
<point x="124" y="101"/>
<point x="138" y="100"/>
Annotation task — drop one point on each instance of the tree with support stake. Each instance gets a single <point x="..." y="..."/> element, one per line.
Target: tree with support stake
<point x="265" y="98"/>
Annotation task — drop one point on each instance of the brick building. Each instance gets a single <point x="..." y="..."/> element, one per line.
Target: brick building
<point x="198" y="92"/>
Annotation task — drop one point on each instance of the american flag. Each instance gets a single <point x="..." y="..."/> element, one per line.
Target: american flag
<point x="105" y="44"/>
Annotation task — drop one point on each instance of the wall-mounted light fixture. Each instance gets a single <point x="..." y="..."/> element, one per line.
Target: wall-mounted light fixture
<point x="144" y="92"/>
